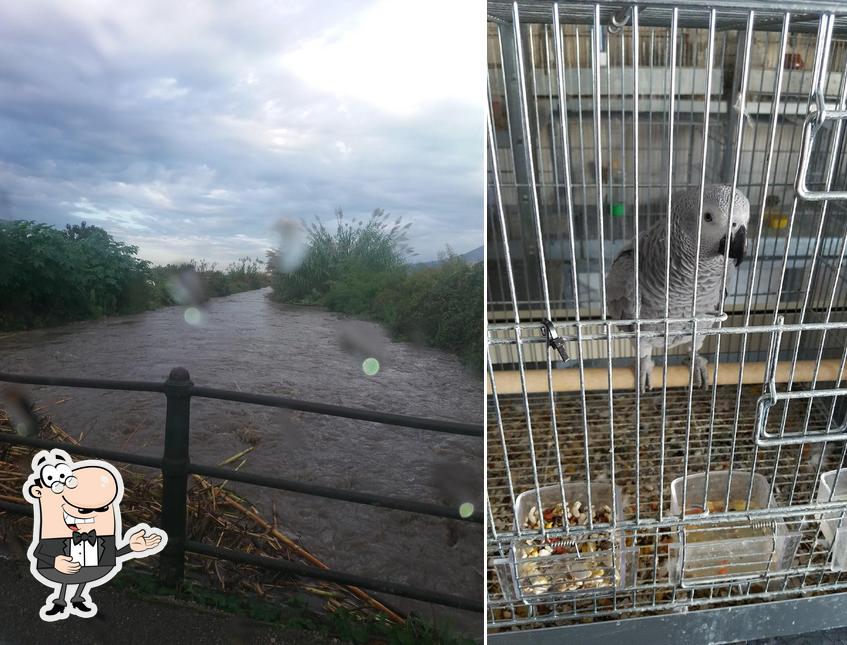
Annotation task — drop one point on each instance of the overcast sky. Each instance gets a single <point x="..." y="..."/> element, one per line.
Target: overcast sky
<point x="190" y="128"/>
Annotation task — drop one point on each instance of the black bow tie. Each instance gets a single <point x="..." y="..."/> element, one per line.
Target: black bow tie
<point x="89" y="536"/>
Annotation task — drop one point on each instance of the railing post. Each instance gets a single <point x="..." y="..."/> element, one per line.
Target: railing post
<point x="175" y="475"/>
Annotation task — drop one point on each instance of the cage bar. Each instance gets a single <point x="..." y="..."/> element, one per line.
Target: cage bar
<point x="725" y="496"/>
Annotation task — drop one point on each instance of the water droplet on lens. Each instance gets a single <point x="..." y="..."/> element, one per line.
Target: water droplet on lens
<point x="193" y="316"/>
<point x="293" y="244"/>
<point x="370" y="366"/>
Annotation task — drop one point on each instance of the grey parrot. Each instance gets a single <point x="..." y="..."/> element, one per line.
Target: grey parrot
<point x="620" y="281"/>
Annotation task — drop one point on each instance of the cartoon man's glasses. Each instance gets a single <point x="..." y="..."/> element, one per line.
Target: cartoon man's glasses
<point x="57" y="477"/>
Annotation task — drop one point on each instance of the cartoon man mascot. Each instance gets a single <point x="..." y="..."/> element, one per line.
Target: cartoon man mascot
<point x="77" y="538"/>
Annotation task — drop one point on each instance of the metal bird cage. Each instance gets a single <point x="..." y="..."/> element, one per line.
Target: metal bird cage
<point x="605" y="502"/>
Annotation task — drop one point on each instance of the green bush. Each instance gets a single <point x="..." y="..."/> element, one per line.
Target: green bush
<point x="244" y="275"/>
<point x="442" y="305"/>
<point x="50" y="276"/>
<point x="360" y="292"/>
<point x="359" y="269"/>
<point x="357" y="247"/>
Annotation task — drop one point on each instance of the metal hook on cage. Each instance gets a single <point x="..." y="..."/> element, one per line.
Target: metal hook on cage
<point x="817" y="115"/>
<point x="554" y="341"/>
<point x="739" y="106"/>
<point x="820" y="103"/>
<point x="773" y="357"/>
<point x="817" y="112"/>
<point x="620" y="19"/>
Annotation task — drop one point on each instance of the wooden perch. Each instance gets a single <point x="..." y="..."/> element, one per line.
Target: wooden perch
<point x="623" y="378"/>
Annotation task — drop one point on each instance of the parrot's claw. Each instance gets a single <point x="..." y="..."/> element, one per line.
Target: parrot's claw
<point x="701" y="379"/>
<point x="646" y="368"/>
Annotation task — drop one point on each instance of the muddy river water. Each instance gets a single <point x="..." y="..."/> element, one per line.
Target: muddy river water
<point x="248" y="342"/>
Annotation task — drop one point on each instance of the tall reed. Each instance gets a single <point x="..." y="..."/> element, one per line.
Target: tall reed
<point x="360" y="268"/>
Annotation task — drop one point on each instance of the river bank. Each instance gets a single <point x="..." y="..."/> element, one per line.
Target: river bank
<point x="248" y="342"/>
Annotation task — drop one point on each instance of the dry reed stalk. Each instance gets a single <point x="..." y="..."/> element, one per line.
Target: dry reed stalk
<point x="211" y="511"/>
<point x="252" y="514"/>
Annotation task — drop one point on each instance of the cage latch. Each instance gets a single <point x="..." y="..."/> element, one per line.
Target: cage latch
<point x="767" y="401"/>
<point x="812" y="125"/>
<point x="554" y="341"/>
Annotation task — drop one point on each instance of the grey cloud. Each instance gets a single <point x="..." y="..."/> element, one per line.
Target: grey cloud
<point x="177" y="129"/>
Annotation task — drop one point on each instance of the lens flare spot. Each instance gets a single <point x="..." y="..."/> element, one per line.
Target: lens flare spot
<point x="370" y="366"/>
<point x="193" y="316"/>
<point x="466" y="510"/>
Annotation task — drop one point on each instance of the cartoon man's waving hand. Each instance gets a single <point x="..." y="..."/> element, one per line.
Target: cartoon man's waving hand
<point x="77" y="536"/>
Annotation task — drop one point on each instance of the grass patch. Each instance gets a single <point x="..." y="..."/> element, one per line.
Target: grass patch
<point x="293" y="613"/>
<point x="360" y="268"/>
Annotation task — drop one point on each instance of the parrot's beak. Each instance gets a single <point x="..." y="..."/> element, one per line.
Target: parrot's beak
<point x="738" y="245"/>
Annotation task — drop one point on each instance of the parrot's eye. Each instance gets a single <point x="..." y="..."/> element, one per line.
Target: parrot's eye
<point x="707" y="216"/>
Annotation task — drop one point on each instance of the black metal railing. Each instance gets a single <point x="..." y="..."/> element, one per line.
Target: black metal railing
<point x="176" y="467"/>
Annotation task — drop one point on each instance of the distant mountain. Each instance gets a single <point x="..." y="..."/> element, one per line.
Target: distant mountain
<point x="471" y="257"/>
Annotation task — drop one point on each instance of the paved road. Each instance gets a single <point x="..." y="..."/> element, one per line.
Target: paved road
<point x="126" y="618"/>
